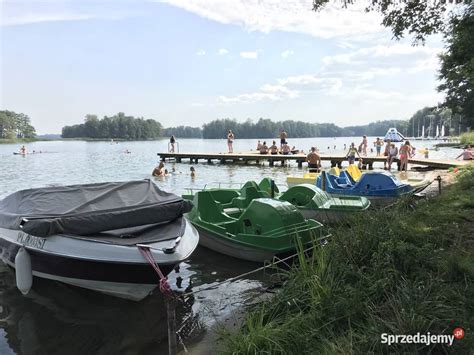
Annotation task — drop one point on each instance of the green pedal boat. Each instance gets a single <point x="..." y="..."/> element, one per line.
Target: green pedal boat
<point x="248" y="225"/>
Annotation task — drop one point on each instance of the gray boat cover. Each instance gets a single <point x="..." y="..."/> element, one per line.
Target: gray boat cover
<point x="90" y="209"/>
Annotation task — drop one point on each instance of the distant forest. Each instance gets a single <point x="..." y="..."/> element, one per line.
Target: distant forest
<point x="117" y="126"/>
<point x="129" y="127"/>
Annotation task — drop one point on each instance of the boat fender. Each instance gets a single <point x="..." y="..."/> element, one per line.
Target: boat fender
<point x="24" y="275"/>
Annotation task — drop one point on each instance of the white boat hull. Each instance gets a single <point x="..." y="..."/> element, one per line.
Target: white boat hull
<point x="112" y="269"/>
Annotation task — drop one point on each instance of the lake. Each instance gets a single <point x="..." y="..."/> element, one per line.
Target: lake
<point x="58" y="319"/>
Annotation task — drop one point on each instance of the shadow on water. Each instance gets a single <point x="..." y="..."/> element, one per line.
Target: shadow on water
<point x="55" y="318"/>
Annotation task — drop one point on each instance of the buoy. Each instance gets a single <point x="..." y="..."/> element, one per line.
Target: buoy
<point x="24" y="275"/>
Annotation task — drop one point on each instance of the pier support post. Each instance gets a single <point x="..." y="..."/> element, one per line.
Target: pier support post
<point x="178" y="160"/>
<point x="270" y="162"/>
<point x="333" y="163"/>
<point x="371" y="165"/>
<point x="300" y="164"/>
<point x="339" y="164"/>
<point x="209" y="161"/>
<point x="222" y="161"/>
<point x="170" y="311"/>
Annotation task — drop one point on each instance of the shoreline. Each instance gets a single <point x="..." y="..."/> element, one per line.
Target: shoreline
<point x="411" y="273"/>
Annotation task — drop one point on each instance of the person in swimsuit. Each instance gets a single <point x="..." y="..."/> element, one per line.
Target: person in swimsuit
<point x="314" y="161"/>
<point x="286" y="149"/>
<point x="392" y="154"/>
<point x="172" y="143"/>
<point x="351" y="153"/>
<point x="264" y="148"/>
<point x="378" y="146"/>
<point x="159" y="170"/>
<point x="364" y="145"/>
<point x="405" y="152"/>
<point x="283" y="137"/>
<point x="467" y="154"/>
<point x="230" y="141"/>
<point x="274" y="148"/>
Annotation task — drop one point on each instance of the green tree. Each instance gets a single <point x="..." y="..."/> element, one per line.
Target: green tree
<point x="419" y="18"/>
<point x="15" y="125"/>
<point x="457" y="67"/>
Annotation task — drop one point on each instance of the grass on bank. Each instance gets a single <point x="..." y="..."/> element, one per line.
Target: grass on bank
<point x="399" y="271"/>
<point x="467" y="138"/>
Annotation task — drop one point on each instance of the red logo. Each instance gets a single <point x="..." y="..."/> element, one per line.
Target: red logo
<point x="458" y="333"/>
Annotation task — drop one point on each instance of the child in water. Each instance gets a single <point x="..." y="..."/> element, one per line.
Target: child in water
<point x="193" y="171"/>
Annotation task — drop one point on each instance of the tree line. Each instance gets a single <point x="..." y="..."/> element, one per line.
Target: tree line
<point x="117" y="126"/>
<point x="15" y="125"/>
<point x="128" y="127"/>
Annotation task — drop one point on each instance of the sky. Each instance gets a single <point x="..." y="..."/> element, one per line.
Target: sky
<point x="187" y="62"/>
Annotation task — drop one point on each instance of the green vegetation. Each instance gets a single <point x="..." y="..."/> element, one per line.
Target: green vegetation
<point x="117" y="126"/>
<point x="467" y="138"/>
<point x="432" y="117"/>
<point x="398" y="271"/>
<point x="419" y="18"/>
<point x="457" y="66"/>
<point x="183" y="132"/>
<point x="15" y="125"/>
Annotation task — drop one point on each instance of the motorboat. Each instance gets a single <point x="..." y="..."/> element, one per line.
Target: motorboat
<point x="96" y="236"/>
<point x="250" y="226"/>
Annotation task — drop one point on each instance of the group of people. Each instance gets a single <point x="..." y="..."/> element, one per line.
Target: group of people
<point x="160" y="170"/>
<point x="391" y="152"/>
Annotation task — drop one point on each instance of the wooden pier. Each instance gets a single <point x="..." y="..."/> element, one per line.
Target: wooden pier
<point x="300" y="159"/>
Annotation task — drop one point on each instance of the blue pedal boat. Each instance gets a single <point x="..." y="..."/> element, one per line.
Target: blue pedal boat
<point x="381" y="188"/>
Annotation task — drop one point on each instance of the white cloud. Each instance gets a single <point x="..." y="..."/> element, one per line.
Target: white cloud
<point x="249" y="55"/>
<point x="223" y="51"/>
<point x="31" y="18"/>
<point x="201" y="52"/>
<point x="290" y="16"/>
<point x="361" y="55"/>
<point x="266" y="92"/>
<point x="287" y="53"/>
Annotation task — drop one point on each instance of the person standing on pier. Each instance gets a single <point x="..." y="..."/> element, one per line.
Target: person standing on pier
<point x="283" y="137"/>
<point x="351" y="154"/>
<point x="172" y="143"/>
<point x="364" y="145"/>
<point x="405" y="152"/>
<point x="378" y="146"/>
<point x="230" y="141"/>
<point x="314" y="161"/>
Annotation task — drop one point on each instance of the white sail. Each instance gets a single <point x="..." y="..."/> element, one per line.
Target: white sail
<point x="437" y="131"/>
<point x="442" y="131"/>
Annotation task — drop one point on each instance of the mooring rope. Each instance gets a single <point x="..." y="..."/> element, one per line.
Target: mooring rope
<point x="274" y="262"/>
<point x="165" y="287"/>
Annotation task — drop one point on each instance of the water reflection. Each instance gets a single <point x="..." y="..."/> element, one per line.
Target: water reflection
<point x="58" y="319"/>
